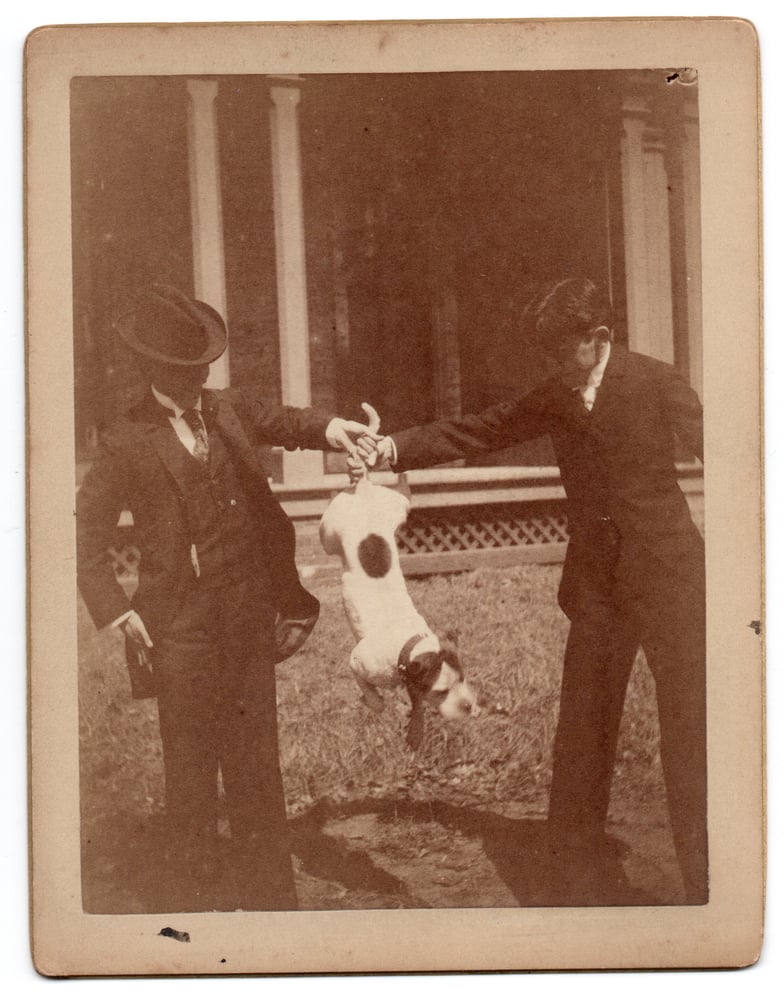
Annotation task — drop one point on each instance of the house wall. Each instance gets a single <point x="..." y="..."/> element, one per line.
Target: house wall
<point x="430" y="207"/>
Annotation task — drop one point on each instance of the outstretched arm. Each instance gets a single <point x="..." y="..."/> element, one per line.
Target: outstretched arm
<point x="295" y="427"/>
<point x="447" y="440"/>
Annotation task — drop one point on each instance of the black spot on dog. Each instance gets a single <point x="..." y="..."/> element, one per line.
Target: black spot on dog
<point x="375" y="556"/>
<point x="449" y="654"/>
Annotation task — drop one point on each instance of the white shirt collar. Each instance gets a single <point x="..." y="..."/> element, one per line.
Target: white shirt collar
<point x="596" y="374"/>
<point x="589" y="389"/>
<point x="169" y="403"/>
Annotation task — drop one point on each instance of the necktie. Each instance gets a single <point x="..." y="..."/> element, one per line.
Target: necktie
<point x="201" y="448"/>
<point x="589" y="396"/>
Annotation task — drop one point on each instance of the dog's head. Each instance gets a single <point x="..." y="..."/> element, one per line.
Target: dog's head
<point x="435" y="676"/>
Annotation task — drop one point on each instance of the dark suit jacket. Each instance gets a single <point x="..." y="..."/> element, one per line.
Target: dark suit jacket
<point x="140" y="469"/>
<point x="617" y="462"/>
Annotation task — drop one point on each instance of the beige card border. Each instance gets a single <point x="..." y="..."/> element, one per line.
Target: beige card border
<point x="727" y="932"/>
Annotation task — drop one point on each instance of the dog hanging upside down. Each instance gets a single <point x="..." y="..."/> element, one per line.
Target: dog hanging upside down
<point x="394" y="643"/>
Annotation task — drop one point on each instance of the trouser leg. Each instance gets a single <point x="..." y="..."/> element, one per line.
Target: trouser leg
<point x="676" y="655"/>
<point x="186" y="662"/>
<point x="217" y="708"/>
<point x="597" y="665"/>
<point x="249" y="756"/>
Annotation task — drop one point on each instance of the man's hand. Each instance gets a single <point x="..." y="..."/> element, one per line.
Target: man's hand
<point x="342" y="434"/>
<point x="134" y="629"/>
<point x="356" y="468"/>
<point x="374" y="450"/>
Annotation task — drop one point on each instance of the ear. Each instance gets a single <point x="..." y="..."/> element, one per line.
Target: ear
<point x="424" y="666"/>
<point x="445" y="680"/>
<point x="449" y="652"/>
<point x="604" y="333"/>
<point x="416" y="724"/>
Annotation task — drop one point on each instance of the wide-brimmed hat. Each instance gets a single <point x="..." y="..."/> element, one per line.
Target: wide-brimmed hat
<point x="165" y="325"/>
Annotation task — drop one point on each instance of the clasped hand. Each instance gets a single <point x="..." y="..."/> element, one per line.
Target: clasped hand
<point x="364" y="446"/>
<point x="344" y="435"/>
<point x="372" y="451"/>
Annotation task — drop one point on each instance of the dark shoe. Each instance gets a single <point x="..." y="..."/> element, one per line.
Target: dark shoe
<point x="263" y="876"/>
<point x="586" y="871"/>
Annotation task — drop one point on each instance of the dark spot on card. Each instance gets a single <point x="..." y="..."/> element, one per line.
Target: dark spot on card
<point x="756" y="627"/>
<point x="686" y="76"/>
<point x="183" y="936"/>
<point x="375" y="556"/>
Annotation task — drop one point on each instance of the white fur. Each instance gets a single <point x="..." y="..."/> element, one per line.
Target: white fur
<point x="380" y="611"/>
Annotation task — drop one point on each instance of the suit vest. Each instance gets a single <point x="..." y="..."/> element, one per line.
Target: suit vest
<point x="220" y="519"/>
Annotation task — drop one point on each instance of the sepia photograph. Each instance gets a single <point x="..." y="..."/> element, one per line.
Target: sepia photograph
<point x="388" y="448"/>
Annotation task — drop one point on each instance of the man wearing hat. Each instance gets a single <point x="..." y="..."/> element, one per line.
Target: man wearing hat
<point x="634" y="573"/>
<point x="219" y="599"/>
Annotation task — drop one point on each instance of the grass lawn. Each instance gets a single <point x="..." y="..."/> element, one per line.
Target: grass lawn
<point x="510" y="635"/>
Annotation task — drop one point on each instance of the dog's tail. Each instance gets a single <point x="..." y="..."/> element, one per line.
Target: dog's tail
<point x="374" y="420"/>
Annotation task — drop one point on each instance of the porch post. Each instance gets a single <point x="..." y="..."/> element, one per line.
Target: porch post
<point x="209" y="261"/>
<point x="691" y="192"/>
<point x="647" y="234"/>
<point x="306" y="466"/>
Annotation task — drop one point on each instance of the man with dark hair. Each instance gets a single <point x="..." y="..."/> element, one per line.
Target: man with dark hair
<point x="219" y="599"/>
<point x="634" y="573"/>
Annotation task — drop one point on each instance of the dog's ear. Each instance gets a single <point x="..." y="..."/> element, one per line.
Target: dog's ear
<point x="423" y="669"/>
<point x="416" y="724"/>
<point x="449" y="652"/>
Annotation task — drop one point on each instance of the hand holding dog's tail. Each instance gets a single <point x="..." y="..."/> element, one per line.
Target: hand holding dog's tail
<point x="367" y="446"/>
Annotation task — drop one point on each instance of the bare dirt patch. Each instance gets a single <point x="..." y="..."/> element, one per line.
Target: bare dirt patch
<point x="404" y="854"/>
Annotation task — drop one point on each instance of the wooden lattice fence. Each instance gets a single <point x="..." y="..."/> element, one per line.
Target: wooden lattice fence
<point x="436" y="540"/>
<point x="458" y="521"/>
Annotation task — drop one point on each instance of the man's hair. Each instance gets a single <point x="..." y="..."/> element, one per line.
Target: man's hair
<point x="570" y="306"/>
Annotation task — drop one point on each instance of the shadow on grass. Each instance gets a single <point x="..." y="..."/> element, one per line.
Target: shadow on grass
<point x="128" y="871"/>
<point x="132" y="866"/>
<point x="519" y="849"/>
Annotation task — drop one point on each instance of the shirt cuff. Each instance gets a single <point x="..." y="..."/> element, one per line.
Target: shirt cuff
<point x="121" y="620"/>
<point x="393" y="457"/>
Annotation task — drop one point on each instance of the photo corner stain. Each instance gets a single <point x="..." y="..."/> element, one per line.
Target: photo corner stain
<point x="182" y="936"/>
<point x="686" y="76"/>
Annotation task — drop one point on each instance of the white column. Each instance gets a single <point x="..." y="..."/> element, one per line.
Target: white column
<point x="647" y="235"/>
<point x="634" y="225"/>
<point x="298" y="467"/>
<point x="209" y="261"/>
<point x="692" y="237"/>
<point x="659" y="256"/>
